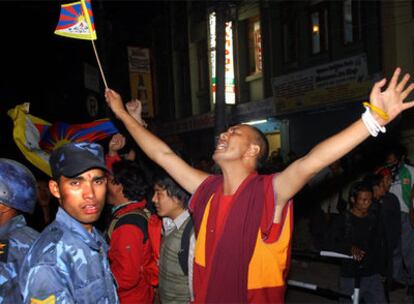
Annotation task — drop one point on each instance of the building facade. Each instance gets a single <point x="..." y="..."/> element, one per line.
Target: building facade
<point x="298" y="70"/>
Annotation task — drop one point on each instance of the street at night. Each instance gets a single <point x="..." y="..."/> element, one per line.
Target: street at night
<point x="209" y="151"/>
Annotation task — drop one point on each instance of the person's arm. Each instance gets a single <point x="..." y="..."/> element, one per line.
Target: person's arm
<point x="8" y="279"/>
<point x="134" y="108"/>
<point x="294" y="177"/>
<point x="340" y="242"/>
<point x="116" y="143"/>
<point x="46" y="282"/>
<point x="188" y="177"/>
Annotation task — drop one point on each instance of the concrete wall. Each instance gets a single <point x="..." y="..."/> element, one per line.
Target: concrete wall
<point x="398" y="35"/>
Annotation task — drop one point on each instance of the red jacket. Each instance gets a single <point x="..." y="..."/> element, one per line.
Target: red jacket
<point x="132" y="261"/>
<point x="111" y="160"/>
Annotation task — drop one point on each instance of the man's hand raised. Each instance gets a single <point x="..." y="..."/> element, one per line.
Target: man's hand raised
<point x="116" y="143"/>
<point x="114" y="101"/>
<point x="391" y="100"/>
<point x="134" y="108"/>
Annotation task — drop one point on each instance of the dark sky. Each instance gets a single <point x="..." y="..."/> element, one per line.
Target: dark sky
<point x="33" y="58"/>
<point x="27" y="44"/>
<point x="46" y="70"/>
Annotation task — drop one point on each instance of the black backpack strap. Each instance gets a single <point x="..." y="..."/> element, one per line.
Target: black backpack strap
<point x="185" y="246"/>
<point x="136" y="219"/>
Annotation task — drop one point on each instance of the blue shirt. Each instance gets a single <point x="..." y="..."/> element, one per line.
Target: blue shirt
<point x="15" y="240"/>
<point x="68" y="264"/>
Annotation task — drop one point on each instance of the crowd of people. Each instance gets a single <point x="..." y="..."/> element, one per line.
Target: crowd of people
<point x="229" y="242"/>
<point x="359" y="212"/>
<point x="360" y="205"/>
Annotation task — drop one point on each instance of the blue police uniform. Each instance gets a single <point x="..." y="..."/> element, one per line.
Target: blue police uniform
<point x="67" y="264"/>
<point x="15" y="240"/>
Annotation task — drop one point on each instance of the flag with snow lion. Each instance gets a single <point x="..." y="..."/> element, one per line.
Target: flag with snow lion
<point x="37" y="138"/>
<point x="76" y="21"/>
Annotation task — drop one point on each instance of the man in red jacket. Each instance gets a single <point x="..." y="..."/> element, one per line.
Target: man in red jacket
<point x="130" y="254"/>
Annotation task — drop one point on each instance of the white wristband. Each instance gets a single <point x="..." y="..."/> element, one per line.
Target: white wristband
<point x="371" y="123"/>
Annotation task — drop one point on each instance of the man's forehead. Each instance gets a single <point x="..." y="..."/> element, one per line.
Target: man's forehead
<point x="364" y="193"/>
<point x="91" y="173"/>
<point x="158" y="187"/>
<point x="240" y="127"/>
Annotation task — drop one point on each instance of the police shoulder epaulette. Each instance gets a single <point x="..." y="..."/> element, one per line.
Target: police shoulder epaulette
<point x="4" y="248"/>
<point x="25" y="233"/>
<point x="55" y="234"/>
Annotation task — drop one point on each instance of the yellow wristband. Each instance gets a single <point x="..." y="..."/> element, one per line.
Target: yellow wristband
<point x="377" y="110"/>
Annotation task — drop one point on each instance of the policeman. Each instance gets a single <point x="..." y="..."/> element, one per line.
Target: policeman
<point x="17" y="195"/>
<point x="68" y="263"/>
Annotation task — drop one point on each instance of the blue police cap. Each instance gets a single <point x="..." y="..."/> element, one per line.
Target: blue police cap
<point x="72" y="159"/>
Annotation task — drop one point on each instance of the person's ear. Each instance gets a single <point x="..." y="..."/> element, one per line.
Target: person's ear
<point x="119" y="188"/>
<point x="177" y="202"/>
<point x="54" y="189"/>
<point x="253" y="150"/>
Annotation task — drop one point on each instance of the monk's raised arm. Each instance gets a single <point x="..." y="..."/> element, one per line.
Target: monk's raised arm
<point x="383" y="108"/>
<point x="157" y="150"/>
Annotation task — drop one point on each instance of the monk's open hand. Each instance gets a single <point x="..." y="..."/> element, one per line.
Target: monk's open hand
<point x="391" y="100"/>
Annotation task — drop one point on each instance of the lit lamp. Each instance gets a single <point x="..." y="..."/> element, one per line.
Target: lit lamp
<point x="256" y="122"/>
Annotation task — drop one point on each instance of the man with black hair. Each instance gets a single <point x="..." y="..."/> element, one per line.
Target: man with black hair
<point x="403" y="187"/>
<point x="130" y="253"/>
<point x="359" y="234"/>
<point x="68" y="263"/>
<point x="177" y="246"/>
<point x="243" y="220"/>
<point x="388" y="209"/>
<point x="375" y="182"/>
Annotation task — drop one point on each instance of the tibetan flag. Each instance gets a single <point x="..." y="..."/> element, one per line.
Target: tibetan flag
<point x="36" y="138"/>
<point x="76" y="21"/>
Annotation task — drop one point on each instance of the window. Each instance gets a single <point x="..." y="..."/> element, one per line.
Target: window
<point x="412" y="9"/>
<point x="351" y="21"/>
<point x="319" y="28"/>
<point x="202" y="63"/>
<point x="254" y="42"/>
<point x="289" y="41"/>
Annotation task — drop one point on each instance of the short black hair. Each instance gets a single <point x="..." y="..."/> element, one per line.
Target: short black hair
<point x="261" y="141"/>
<point x="357" y="187"/>
<point x="131" y="177"/>
<point x="163" y="180"/>
<point x="373" y="179"/>
<point x="397" y="150"/>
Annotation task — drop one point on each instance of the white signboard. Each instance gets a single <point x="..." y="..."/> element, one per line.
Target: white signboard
<point x="338" y="81"/>
<point x="230" y="83"/>
<point x="139" y="60"/>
